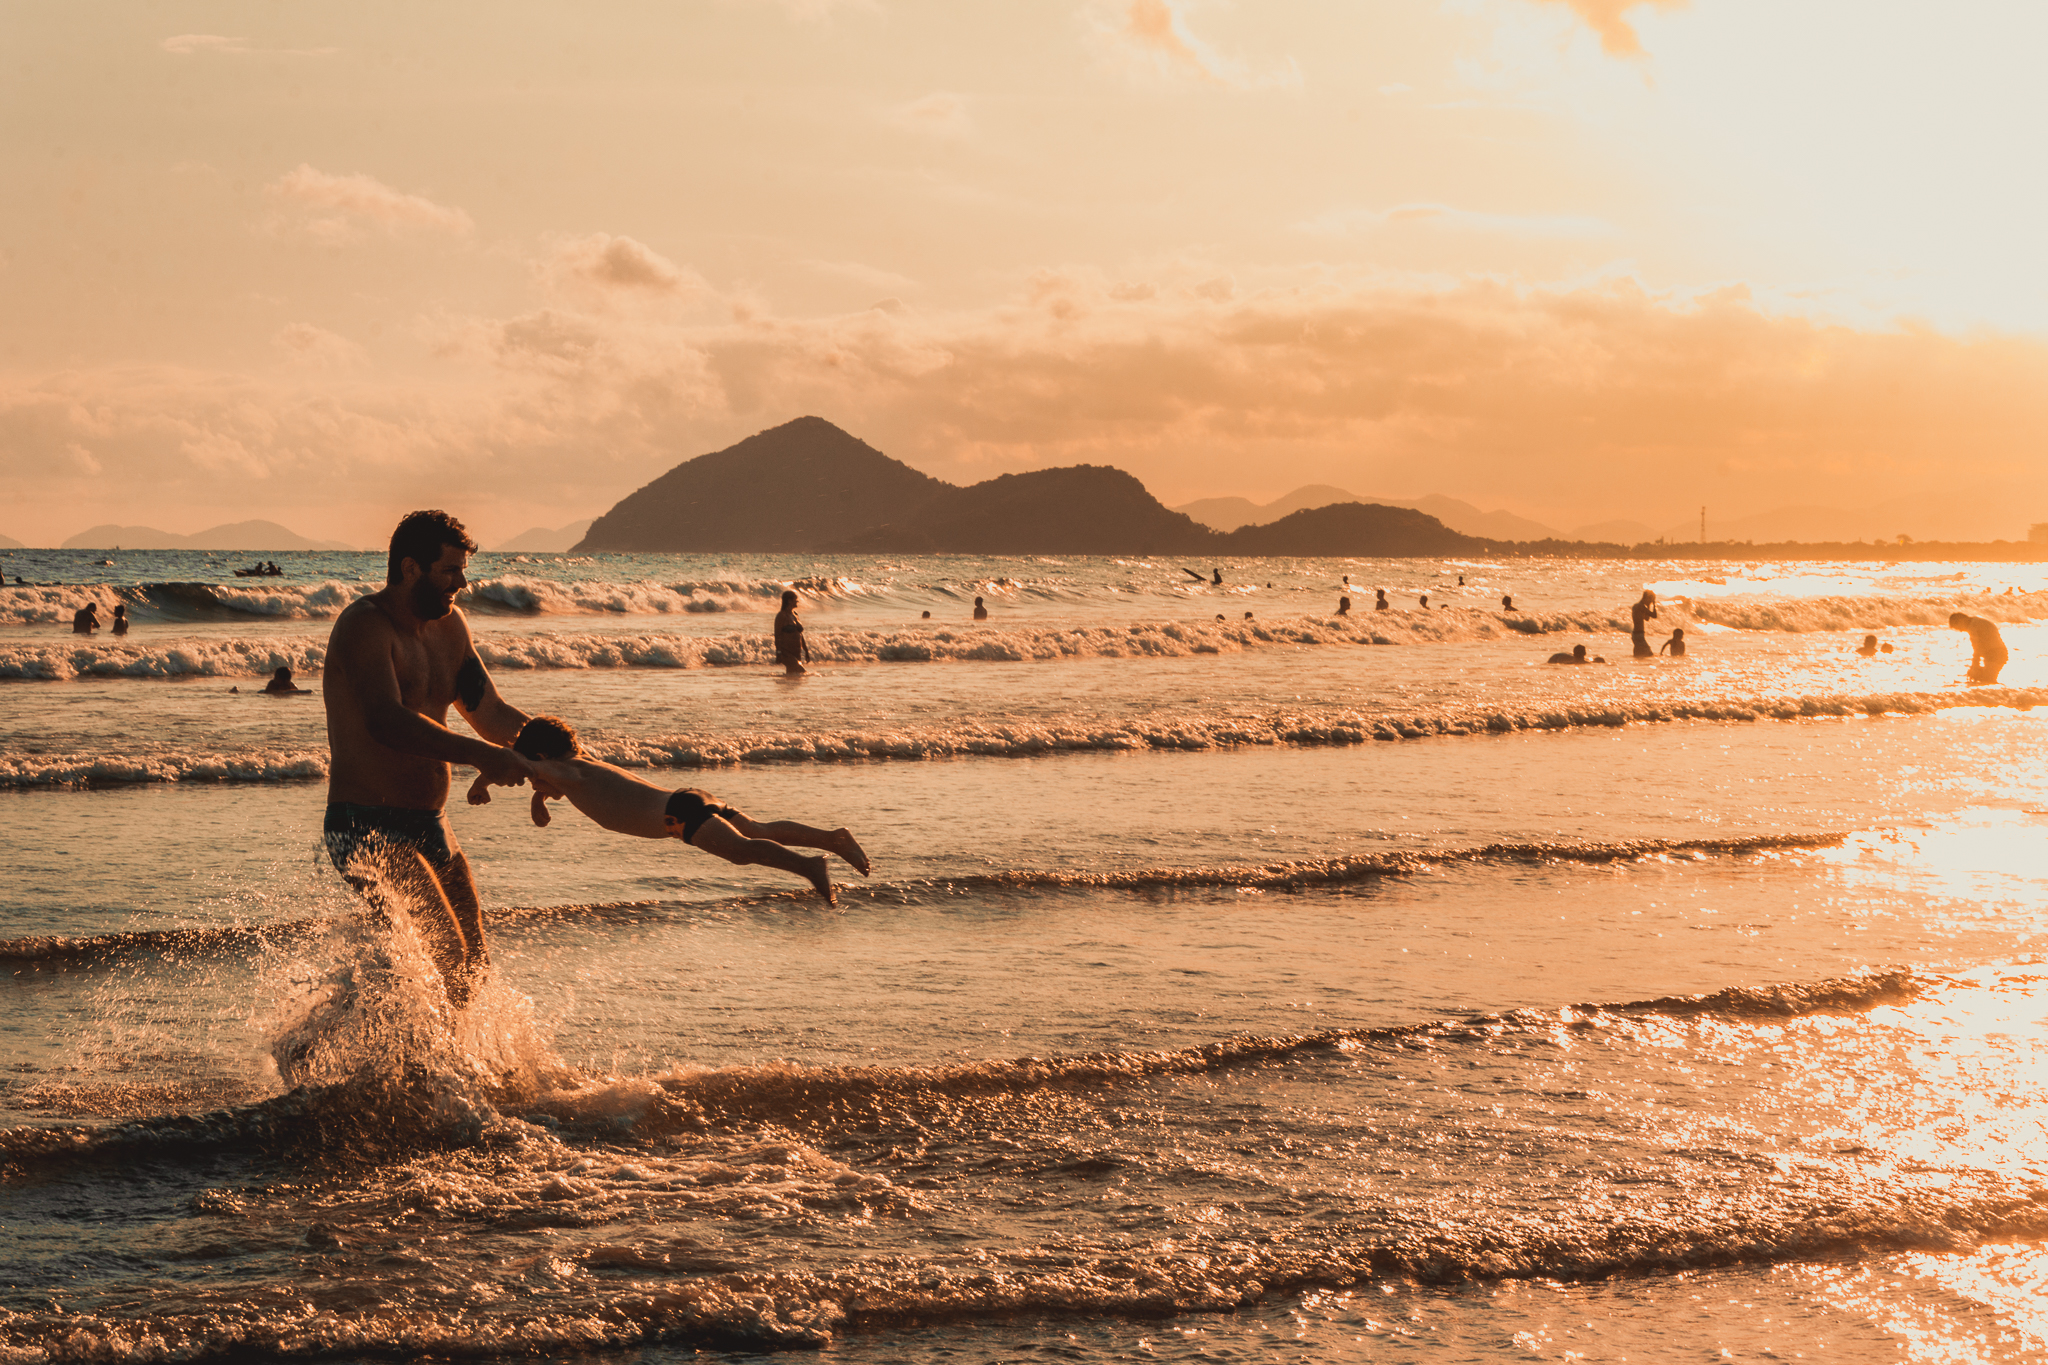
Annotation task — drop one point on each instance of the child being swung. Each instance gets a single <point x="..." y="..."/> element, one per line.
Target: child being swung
<point x="624" y="804"/>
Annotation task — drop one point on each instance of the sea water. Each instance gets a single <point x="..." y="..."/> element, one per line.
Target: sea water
<point x="1283" y="986"/>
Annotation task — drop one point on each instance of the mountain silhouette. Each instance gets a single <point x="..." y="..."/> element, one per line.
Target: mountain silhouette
<point x="798" y="487"/>
<point x="1364" y="530"/>
<point x="1082" y="509"/>
<point x="807" y="486"/>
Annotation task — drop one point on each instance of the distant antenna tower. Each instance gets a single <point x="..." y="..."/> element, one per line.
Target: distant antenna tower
<point x="1703" y="525"/>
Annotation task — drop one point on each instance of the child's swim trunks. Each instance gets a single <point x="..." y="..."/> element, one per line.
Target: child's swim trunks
<point x="691" y="808"/>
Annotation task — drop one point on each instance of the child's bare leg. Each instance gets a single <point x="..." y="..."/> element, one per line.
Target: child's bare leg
<point x="721" y="840"/>
<point x="789" y="832"/>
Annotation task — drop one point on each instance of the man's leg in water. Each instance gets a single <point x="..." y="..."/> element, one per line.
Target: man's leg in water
<point x="721" y="840"/>
<point x="839" y="841"/>
<point x="442" y="904"/>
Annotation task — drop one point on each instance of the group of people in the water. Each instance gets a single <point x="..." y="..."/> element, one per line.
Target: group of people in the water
<point x="266" y="568"/>
<point x="1988" y="652"/>
<point x="86" y="619"/>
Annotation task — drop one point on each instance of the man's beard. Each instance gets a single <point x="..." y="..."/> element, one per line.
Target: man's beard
<point x="429" y="603"/>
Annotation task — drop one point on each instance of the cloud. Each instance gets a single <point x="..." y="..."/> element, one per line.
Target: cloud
<point x="1348" y="222"/>
<point x="305" y="344"/>
<point x="1604" y="17"/>
<point x="610" y="262"/>
<point x="191" y="44"/>
<point x="335" y="210"/>
<point x="939" y="115"/>
<point x="862" y="274"/>
<point x="1587" y="403"/>
<point x="185" y="44"/>
<point x="1152" y="38"/>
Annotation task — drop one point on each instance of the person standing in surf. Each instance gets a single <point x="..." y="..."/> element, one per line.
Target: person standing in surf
<point x="396" y="661"/>
<point x="790" y="650"/>
<point x="1640" y="615"/>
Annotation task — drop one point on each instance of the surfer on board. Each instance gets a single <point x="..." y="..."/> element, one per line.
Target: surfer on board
<point x="396" y="661"/>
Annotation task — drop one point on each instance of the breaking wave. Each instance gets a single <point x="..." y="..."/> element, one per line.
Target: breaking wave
<point x="506" y="594"/>
<point x="1335" y="726"/>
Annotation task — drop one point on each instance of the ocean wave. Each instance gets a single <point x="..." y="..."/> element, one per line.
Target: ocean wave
<point x="1810" y="615"/>
<point x="1338" y="726"/>
<point x="1292" y="875"/>
<point x="504" y="594"/>
<point x="63" y="660"/>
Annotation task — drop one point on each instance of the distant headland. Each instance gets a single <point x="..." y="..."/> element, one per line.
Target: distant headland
<point x="807" y="487"/>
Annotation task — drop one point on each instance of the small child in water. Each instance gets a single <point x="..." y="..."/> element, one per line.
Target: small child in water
<point x="624" y="804"/>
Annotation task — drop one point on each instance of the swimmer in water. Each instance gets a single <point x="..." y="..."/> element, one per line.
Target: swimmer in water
<point x="624" y="804"/>
<point x="1425" y="601"/>
<point x="1577" y="656"/>
<point x="1343" y="606"/>
<point x="980" y="612"/>
<point x="1869" y="646"/>
<point x="86" y="619"/>
<point x="1507" y="603"/>
<point x="120" y="619"/>
<point x="281" y="685"/>
<point x="1676" y="644"/>
<point x="791" y="651"/>
<point x="1380" y="602"/>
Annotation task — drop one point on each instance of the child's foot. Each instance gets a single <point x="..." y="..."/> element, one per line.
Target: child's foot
<point x="814" y="868"/>
<point x="845" y="846"/>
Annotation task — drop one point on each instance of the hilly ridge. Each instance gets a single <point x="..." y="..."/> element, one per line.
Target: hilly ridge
<point x="807" y="486"/>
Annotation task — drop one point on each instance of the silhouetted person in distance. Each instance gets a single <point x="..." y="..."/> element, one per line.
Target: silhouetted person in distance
<point x="86" y="619"/>
<point x="926" y="617"/>
<point x="1987" y="647"/>
<point x="1461" y="580"/>
<point x="1507" y="603"/>
<point x="1247" y="616"/>
<point x="1886" y="646"/>
<point x="281" y="684"/>
<point x="980" y="612"/>
<point x="791" y="651"/>
<point x="1868" y="647"/>
<point x="1577" y="656"/>
<point x="1343" y="606"/>
<point x="1217" y="581"/>
<point x="1380" y="602"/>
<point x="1640" y="615"/>
<point x="1425" y="601"/>
<point x="1676" y="644"/>
<point x="120" y="618"/>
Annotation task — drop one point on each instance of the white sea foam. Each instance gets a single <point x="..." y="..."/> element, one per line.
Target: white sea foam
<point x="59" y="660"/>
<point x="1077" y="734"/>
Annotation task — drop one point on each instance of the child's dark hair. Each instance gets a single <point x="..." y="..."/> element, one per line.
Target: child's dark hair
<point x="546" y="737"/>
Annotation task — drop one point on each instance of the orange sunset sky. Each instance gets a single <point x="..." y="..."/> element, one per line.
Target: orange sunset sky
<point x="1581" y="259"/>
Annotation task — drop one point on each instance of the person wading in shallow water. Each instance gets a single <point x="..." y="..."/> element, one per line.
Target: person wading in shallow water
<point x="1987" y="647"/>
<point x="396" y="661"/>
<point x="1640" y="616"/>
<point x="790" y="649"/>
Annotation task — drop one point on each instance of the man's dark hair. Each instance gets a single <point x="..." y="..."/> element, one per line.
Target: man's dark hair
<point x="546" y="737"/>
<point x="420" y="537"/>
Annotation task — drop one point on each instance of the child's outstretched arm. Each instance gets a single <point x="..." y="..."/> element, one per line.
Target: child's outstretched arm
<point x="540" y="810"/>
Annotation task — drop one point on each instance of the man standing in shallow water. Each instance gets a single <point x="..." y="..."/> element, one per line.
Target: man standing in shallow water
<point x="396" y="661"/>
